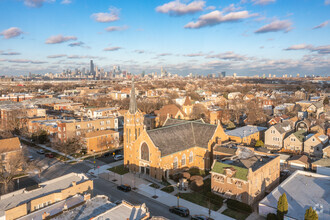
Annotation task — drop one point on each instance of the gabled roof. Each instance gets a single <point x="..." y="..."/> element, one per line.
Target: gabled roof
<point x="178" y="137"/>
<point x="170" y="109"/>
<point x="187" y="101"/>
<point x="280" y="127"/>
<point x="324" y="162"/>
<point x="300" y="135"/>
<point x="174" y="121"/>
<point x="302" y="158"/>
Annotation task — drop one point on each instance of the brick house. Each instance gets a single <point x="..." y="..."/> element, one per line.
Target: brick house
<point x="245" y="177"/>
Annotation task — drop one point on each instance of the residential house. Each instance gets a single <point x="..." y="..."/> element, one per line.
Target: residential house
<point x="102" y="140"/>
<point x="295" y="141"/>
<point x="171" y="111"/>
<point x="275" y="135"/>
<point x="315" y="109"/>
<point x="246" y="177"/>
<point x="315" y="143"/>
<point x="326" y="152"/>
<point x="247" y="134"/>
<point x="278" y="119"/>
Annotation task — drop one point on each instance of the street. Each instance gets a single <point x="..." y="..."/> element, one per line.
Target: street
<point x="54" y="168"/>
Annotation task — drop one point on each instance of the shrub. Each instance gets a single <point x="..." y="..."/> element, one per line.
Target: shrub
<point x="196" y="177"/>
<point x="239" y="206"/>
<point x="271" y="216"/>
<point x="197" y="185"/>
<point x="186" y="175"/>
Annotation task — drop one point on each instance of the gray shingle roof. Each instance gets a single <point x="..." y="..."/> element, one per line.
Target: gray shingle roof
<point x="175" y="138"/>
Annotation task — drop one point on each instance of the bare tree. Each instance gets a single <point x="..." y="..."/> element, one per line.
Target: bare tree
<point x="199" y="111"/>
<point x="70" y="146"/>
<point x="12" y="164"/>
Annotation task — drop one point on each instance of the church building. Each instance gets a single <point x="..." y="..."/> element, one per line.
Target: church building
<point x="164" y="151"/>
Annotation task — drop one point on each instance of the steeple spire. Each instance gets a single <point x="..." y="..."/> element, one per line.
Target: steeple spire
<point x="132" y="101"/>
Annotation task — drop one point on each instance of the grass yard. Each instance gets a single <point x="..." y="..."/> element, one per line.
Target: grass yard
<point x="168" y="189"/>
<point x="121" y="169"/>
<point x="236" y="215"/>
<point x="202" y="200"/>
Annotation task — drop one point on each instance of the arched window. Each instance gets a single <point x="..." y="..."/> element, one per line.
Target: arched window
<point x="183" y="160"/>
<point x="191" y="157"/>
<point x="145" y="152"/>
<point x="175" y="163"/>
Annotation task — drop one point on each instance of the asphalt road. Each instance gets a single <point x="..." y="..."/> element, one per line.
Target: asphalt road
<point x="54" y="168"/>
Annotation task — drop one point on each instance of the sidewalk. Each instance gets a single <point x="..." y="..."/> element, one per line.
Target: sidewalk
<point x="104" y="168"/>
<point x="143" y="188"/>
<point x="49" y="149"/>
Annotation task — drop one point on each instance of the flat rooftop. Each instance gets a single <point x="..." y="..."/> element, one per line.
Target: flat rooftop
<point x="22" y="196"/>
<point x="245" y="131"/>
<point x="303" y="190"/>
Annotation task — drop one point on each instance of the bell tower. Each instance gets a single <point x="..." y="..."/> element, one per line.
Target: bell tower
<point x="133" y="126"/>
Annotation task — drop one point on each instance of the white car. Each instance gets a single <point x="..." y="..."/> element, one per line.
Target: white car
<point x="118" y="157"/>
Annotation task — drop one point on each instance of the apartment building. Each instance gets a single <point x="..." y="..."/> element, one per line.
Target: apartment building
<point x="9" y="147"/>
<point x="28" y="200"/>
<point x="97" y="141"/>
<point x="247" y="176"/>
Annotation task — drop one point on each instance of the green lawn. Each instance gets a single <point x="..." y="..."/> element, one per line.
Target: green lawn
<point x="202" y="200"/>
<point x="168" y="189"/>
<point x="121" y="169"/>
<point x="236" y="215"/>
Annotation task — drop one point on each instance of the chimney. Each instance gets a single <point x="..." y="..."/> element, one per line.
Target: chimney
<point x="45" y="215"/>
<point x="87" y="197"/>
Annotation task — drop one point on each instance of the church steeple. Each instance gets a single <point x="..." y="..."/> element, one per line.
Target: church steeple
<point x="132" y="101"/>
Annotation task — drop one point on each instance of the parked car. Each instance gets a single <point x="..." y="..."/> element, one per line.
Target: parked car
<point x="40" y="151"/>
<point x="107" y="154"/>
<point x="125" y="188"/>
<point x="180" y="210"/>
<point x="50" y="155"/>
<point x="200" y="217"/>
<point x="118" y="202"/>
<point x="118" y="157"/>
<point x="31" y="158"/>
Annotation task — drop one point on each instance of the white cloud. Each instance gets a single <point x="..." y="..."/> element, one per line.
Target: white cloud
<point x="177" y="8"/>
<point x="139" y="51"/>
<point x="116" y="28"/>
<point x="229" y="55"/>
<point x="77" y="44"/>
<point x="299" y="47"/>
<point x="327" y="2"/>
<point x="112" y="48"/>
<point x="263" y="2"/>
<point x="11" y="32"/>
<point x="325" y="49"/>
<point x="59" y="39"/>
<point x="231" y="8"/>
<point x="10" y="53"/>
<point x="321" y="25"/>
<point x="36" y="3"/>
<point x="217" y="17"/>
<point x="66" y="2"/>
<point x="113" y="15"/>
<point x="163" y="54"/>
<point x="275" y="26"/>
<point x="56" y="56"/>
<point x="25" y="61"/>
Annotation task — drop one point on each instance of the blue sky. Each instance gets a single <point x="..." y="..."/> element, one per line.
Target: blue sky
<point x="246" y="37"/>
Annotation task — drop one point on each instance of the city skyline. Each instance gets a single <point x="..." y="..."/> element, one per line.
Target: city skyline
<point x="246" y="37"/>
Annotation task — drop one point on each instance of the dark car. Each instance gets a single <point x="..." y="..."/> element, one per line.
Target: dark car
<point x="40" y="151"/>
<point x="200" y="217"/>
<point x="125" y="188"/>
<point x="181" y="211"/>
<point x="50" y="155"/>
<point x="107" y="154"/>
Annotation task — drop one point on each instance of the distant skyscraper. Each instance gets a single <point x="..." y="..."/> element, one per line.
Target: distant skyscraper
<point x="92" y="70"/>
<point x="222" y="74"/>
